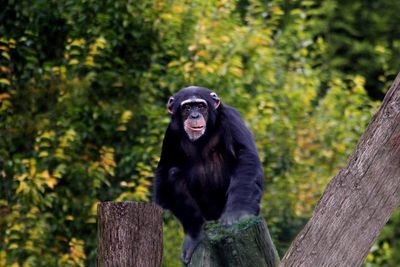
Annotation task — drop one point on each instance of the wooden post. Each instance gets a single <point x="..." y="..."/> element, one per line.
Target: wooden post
<point x="245" y="244"/>
<point x="129" y="234"/>
<point x="359" y="200"/>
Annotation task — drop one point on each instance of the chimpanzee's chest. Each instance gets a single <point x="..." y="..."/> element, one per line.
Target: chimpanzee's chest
<point x="208" y="180"/>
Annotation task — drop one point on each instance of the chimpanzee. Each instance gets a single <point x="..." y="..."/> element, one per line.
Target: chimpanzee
<point x="209" y="168"/>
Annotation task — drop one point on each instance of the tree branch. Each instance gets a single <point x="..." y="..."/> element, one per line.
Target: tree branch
<point x="359" y="200"/>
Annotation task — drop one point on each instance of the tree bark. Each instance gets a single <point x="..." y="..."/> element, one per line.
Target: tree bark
<point x="129" y="234"/>
<point x="245" y="244"/>
<point x="359" y="199"/>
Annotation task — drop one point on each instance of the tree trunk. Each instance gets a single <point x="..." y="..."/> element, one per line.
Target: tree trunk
<point x="245" y="244"/>
<point x="360" y="198"/>
<point x="129" y="234"/>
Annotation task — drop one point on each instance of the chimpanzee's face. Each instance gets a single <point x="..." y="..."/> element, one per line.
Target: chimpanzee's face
<point x="194" y="112"/>
<point x="193" y="108"/>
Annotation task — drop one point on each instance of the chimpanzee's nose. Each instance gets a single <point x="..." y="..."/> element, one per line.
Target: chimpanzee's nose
<point x="194" y="115"/>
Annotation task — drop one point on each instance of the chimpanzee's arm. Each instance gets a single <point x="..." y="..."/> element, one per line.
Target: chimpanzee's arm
<point x="171" y="193"/>
<point x="163" y="193"/>
<point x="170" y="189"/>
<point x="246" y="184"/>
<point x="187" y="211"/>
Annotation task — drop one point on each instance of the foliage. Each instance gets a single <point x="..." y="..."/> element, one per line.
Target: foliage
<point x="83" y="87"/>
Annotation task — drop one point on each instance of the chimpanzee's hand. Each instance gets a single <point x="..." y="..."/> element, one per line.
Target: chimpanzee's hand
<point x="188" y="247"/>
<point x="230" y="217"/>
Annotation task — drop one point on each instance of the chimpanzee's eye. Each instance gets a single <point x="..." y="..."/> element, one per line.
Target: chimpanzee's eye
<point x="186" y="107"/>
<point x="201" y="105"/>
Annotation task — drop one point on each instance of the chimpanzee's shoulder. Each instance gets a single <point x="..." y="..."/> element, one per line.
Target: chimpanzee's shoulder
<point x="231" y="116"/>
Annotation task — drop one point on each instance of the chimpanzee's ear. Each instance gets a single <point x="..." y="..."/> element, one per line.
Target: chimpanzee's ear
<point x="170" y="104"/>
<point x="216" y="99"/>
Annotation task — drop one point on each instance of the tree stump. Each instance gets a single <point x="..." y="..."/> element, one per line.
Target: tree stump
<point x="245" y="244"/>
<point x="129" y="234"/>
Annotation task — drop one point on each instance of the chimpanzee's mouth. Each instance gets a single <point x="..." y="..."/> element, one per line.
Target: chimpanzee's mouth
<point x="197" y="128"/>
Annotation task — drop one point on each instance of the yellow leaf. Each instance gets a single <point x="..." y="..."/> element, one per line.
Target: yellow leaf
<point x="29" y="245"/>
<point x="236" y="71"/>
<point x="23" y="187"/>
<point x="13" y="246"/>
<point x="69" y="218"/>
<point x="51" y="182"/>
<point x="126" y="116"/>
<point x="173" y="63"/>
<point x="177" y="9"/>
<point x="93" y="209"/>
<point x="20" y="177"/>
<point x="47" y="134"/>
<point x="45" y="174"/>
<point x="78" y="42"/>
<point x="73" y="62"/>
<point x="192" y="47"/>
<point x="5" y="81"/>
<point x="5" y="105"/>
<point x="43" y="154"/>
<point x="59" y="153"/>
<point x="91" y="220"/>
<point x="34" y="210"/>
<point x="202" y="53"/>
<point x="89" y="61"/>
<point x="121" y="128"/>
<point x="32" y="167"/>
<point x="225" y="39"/>
<point x="6" y="55"/>
<point x="205" y="41"/>
<point x="101" y="42"/>
<point x="200" y="65"/>
<point x="2" y="258"/>
<point x="16" y="227"/>
<point x="5" y="69"/>
<point x="277" y="10"/>
<point x="167" y="16"/>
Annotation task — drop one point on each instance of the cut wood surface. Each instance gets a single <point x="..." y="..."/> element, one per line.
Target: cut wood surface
<point x="245" y="244"/>
<point x="359" y="200"/>
<point x="129" y="234"/>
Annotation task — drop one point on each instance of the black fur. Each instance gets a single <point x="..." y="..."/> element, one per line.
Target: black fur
<point x="218" y="176"/>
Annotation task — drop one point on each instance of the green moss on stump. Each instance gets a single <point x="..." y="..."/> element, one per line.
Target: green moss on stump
<point x="246" y="243"/>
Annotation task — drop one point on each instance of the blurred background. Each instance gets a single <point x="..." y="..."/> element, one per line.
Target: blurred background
<point x="83" y="89"/>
